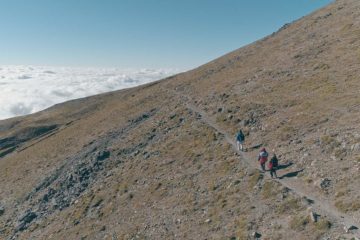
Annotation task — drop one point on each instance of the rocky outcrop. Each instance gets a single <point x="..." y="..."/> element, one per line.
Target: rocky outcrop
<point x="64" y="186"/>
<point x="25" y="219"/>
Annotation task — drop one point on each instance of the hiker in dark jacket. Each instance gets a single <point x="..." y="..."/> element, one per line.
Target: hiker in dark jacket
<point x="240" y="138"/>
<point x="263" y="157"/>
<point x="273" y="164"/>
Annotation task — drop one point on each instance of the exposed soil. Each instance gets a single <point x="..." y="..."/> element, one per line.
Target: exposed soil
<point x="159" y="161"/>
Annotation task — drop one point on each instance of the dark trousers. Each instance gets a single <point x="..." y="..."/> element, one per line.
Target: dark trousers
<point x="262" y="166"/>
<point x="273" y="172"/>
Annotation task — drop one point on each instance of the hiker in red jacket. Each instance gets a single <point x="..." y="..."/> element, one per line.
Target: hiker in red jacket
<point x="263" y="157"/>
<point x="273" y="164"/>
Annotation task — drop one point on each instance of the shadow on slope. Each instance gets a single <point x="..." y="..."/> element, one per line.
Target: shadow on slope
<point x="10" y="144"/>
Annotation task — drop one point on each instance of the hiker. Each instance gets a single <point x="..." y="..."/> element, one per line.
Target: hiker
<point x="263" y="157"/>
<point x="240" y="138"/>
<point x="273" y="164"/>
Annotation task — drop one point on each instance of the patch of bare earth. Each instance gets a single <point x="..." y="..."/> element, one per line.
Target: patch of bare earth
<point x="158" y="161"/>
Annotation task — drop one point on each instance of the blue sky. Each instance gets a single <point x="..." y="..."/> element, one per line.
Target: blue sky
<point x="137" y="33"/>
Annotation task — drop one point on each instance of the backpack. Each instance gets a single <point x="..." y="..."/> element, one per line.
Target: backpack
<point x="240" y="137"/>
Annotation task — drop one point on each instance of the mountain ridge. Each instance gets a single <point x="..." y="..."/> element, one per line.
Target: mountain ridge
<point x="144" y="163"/>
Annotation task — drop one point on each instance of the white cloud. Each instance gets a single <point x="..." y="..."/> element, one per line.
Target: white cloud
<point x="28" y="89"/>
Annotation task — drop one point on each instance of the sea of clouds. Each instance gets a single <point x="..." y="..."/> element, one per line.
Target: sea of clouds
<point x="28" y="89"/>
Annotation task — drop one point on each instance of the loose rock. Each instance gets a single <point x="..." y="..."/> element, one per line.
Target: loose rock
<point x="25" y="219"/>
<point x="313" y="216"/>
<point x="349" y="228"/>
<point x="323" y="183"/>
<point x="256" y="235"/>
<point x="2" y="210"/>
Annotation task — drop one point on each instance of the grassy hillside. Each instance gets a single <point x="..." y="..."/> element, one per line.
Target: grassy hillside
<point x="158" y="162"/>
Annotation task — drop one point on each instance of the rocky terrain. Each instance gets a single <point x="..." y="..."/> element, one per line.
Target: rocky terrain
<point x="159" y="162"/>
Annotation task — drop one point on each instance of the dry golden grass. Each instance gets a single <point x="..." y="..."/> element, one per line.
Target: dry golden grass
<point x="297" y="89"/>
<point x="347" y="206"/>
<point x="269" y="190"/>
<point x="291" y="204"/>
<point x="299" y="223"/>
<point x="241" y="229"/>
<point x="254" y="178"/>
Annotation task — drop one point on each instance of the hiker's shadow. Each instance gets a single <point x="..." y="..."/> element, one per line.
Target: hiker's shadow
<point x="254" y="147"/>
<point x="283" y="166"/>
<point x="291" y="174"/>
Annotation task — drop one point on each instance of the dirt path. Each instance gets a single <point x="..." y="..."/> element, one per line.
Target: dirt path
<point x="318" y="203"/>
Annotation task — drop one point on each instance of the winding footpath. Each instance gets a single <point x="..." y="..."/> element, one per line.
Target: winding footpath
<point x="318" y="203"/>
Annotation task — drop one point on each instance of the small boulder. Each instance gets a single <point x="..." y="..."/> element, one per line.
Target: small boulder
<point x="349" y="228"/>
<point x="54" y="203"/>
<point x="103" y="155"/>
<point x="28" y="217"/>
<point x="307" y="201"/>
<point x="244" y="122"/>
<point x="256" y="235"/>
<point x="323" y="183"/>
<point x="2" y="210"/>
<point x="355" y="147"/>
<point x="25" y="219"/>
<point x="313" y="216"/>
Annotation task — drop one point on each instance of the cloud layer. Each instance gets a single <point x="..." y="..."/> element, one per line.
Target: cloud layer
<point x="28" y="89"/>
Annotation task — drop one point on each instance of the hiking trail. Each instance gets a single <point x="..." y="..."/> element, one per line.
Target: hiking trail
<point x="318" y="203"/>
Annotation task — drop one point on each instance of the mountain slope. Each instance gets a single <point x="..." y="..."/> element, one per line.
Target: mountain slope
<point x="157" y="161"/>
